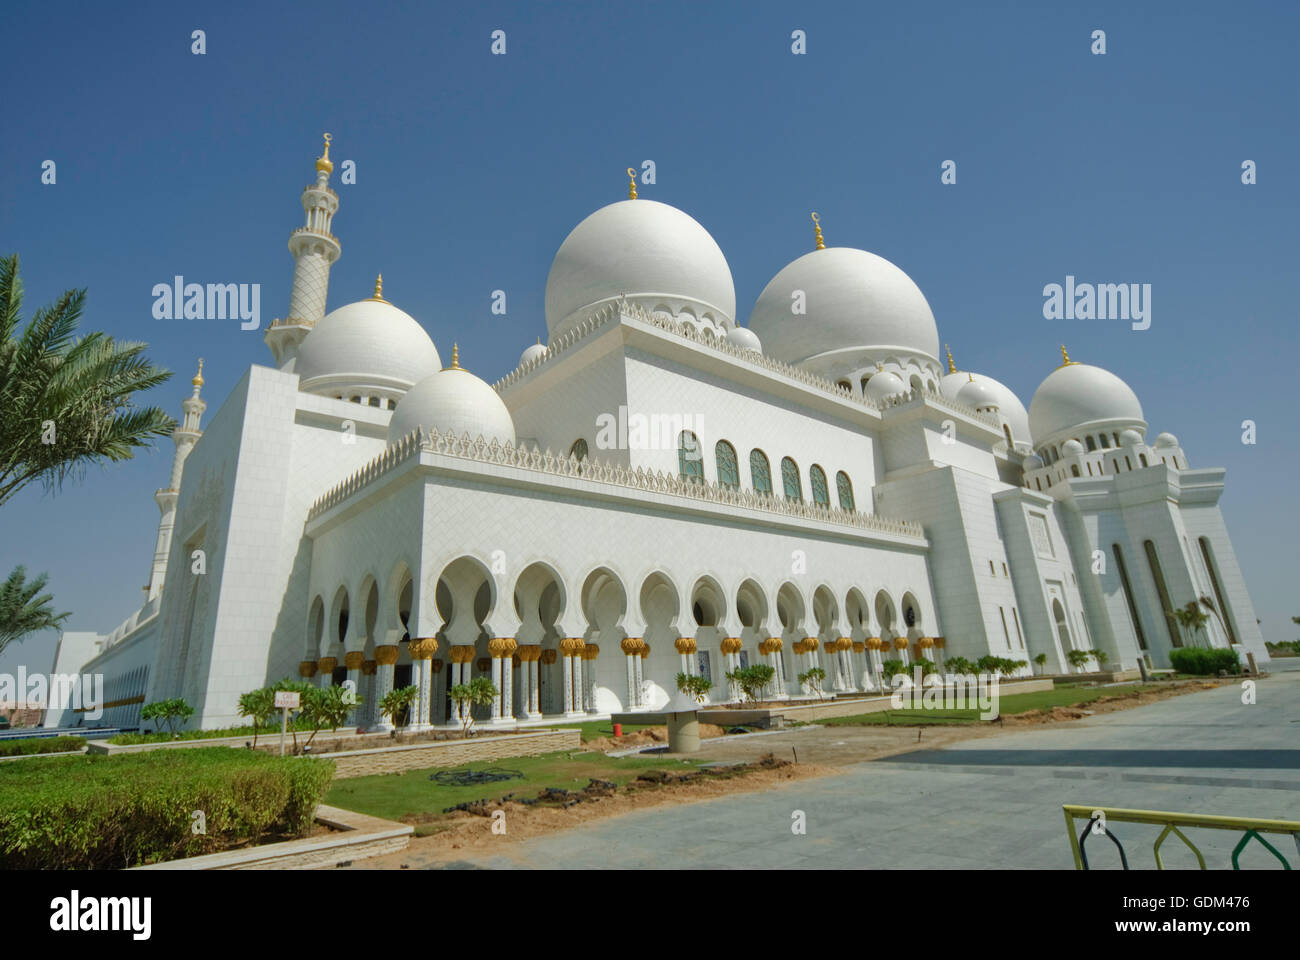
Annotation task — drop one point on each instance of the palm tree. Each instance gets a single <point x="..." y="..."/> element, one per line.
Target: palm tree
<point x="67" y="400"/>
<point x="22" y="611"/>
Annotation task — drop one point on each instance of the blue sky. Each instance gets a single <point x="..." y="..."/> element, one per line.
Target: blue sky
<point x="472" y="168"/>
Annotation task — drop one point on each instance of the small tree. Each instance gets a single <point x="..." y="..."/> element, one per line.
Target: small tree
<point x="328" y="707"/>
<point x="695" y="687"/>
<point x="1041" y="660"/>
<point x="259" y="705"/>
<point x="396" y="703"/>
<point x="891" y="667"/>
<point x="1100" y="656"/>
<point x="479" y="691"/>
<point x="1191" y="621"/>
<point x="752" y="680"/>
<point x="814" y="677"/>
<point x="927" y="666"/>
<point x="1078" y="658"/>
<point x="170" y="712"/>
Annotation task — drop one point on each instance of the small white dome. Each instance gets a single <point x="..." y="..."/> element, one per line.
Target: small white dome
<point x="978" y="395"/>
<point x="883" y="385"/>
<point x="641" y="249"/>
<point x="1071" y="448"/>
<point x="1130" y="438"/>
<point x="534" y="352"/>
<point x="1166" y="441"/>
<point x="368" y="345"/>
<point x="1076" y="397"/>
<point x="1009" y="405"/>
<point x="453" y="401"/>
<point x="861" y="309"/>
<point x="745" y="339"/>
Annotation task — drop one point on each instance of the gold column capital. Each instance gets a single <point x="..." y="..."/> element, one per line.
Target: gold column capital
<point x="307" y="669"/>
<point x="423" y="648"/>
<point x="386" y="654"/>
<point x="327" y="664"/>
<point x="352" y="659"/>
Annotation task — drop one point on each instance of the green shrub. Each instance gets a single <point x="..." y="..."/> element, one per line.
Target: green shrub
<point x="28" y="747"/>
<point x="98" y="812"/>
<point x="694" y="686"/>
<point x="128" y="739"/>
<point x="890" y="667"/>
<point x="1203" y="662"/>
<point x="752" y="680"/>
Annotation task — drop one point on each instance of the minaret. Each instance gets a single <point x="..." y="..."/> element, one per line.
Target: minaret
<point x="184" y="436"/>
<point x="314" y="250"/>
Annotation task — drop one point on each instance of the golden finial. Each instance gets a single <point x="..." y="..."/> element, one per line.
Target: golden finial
<point x="631" y="183"/>
<point x="1065" y="358"/>
<point x="817" y="225"/>
<point x="455" y="357"/>
<point x="971" y="376"/>
<point x="952" y="367"/>
<point x="379" y="289"/>
<point x="198" y="377"/>
<point x="324" y="164"/>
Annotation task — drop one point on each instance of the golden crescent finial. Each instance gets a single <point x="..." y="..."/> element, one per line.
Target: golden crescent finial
<point x="198" y="377"/>
<point x="1065" y="358"/>
<point x="631" y="184"/>
<point x="817" y="225"/>
<point x="952" y="368"/>
<point x="455" y="356"/>
<point x="324" y="164"/>
<point x="379" y="289"/>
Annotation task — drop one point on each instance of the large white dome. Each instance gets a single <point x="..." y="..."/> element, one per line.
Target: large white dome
<point x="861" y="310"/>
<point x="1009" y="405"/>
<point x="453" y="401"/>
<point x="369" y="345"/>
<point x="645" y="250"/>
<point x="1077" y="396"/>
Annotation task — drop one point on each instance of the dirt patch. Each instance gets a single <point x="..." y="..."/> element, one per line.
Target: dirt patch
<point x="646" y="738"/>
<point x="1108" y="704"/>
<point x="468" y="833"/>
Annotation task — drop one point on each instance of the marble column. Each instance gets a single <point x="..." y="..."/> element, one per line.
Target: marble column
<point x="385" y="657"/>
<point x="548" y="658"/>
<point x="642" y="654"/>
<point x="774" y="645"/>
<point x="502" y="650"/>
<point x="352" y="660"/>
<point x="687" y="648"/>
<point x="731" y="651"/>
<point x="437" y="691"/>
<point x="589" y="653"/>
<point x="325" y="676"/>
<point x="534" y="682"/>
<point x="631" y="647"/>
<point x="369" y="706"/>
<point x="422" y="651"/>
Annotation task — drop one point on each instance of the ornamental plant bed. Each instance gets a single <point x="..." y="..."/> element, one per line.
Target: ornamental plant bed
<point x="103" y="813"/>
<point x="326" y="742"/>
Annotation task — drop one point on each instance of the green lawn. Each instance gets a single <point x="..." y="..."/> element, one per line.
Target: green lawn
<point x="1007" y="705"/>
<point x="594" y="729"/>
<point x="395" y="795"/>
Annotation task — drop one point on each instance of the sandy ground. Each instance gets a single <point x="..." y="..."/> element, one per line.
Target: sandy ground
<point x="811" y="751"/>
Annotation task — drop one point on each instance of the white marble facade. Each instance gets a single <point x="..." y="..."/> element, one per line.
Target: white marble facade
<point x="654" y="490"/>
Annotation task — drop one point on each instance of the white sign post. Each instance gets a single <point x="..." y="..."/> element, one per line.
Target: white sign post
<point x="286" y="700"/>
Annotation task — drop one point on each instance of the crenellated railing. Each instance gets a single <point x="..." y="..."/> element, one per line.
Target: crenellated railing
<point x="595" y="471"/>
<point x="610" y="312"/>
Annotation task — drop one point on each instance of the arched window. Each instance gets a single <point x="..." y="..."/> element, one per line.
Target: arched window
<point x="845" y="489"/>
<point x="728" y="469"/>
<point x="1006" y="432"/>
<point x="579" y="449"/>
<point x="820" y="492"/>
<point x="1074" y="469"/>
<point x="790" y="479"/>
<point x="1062" y="626"/>
<point x="760" y="474"/>
<point x="1104" y="442"/>
<point x="690" y="463"/>
<point x="1092" y="444"/>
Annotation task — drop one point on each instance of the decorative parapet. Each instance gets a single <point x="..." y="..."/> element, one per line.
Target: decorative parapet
<point x="612" y="312"/>
<point x="596" y="471"/>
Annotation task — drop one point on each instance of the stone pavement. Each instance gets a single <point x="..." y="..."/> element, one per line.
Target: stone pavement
<point x="994" y="801"/>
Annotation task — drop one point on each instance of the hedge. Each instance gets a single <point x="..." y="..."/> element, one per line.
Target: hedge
<point x="29" y="746"/>
<point x="104" y="812"/>
<point x="162" y="736"/>
<point x="1202" y="662"/>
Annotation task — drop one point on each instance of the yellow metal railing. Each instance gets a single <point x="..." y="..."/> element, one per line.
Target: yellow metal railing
<point x="1097" y="822"/>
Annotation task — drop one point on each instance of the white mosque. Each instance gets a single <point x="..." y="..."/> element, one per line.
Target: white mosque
<point x="656" y="489"/>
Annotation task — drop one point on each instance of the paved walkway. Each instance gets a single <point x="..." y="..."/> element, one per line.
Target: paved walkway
<point x="991" y="802"/>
